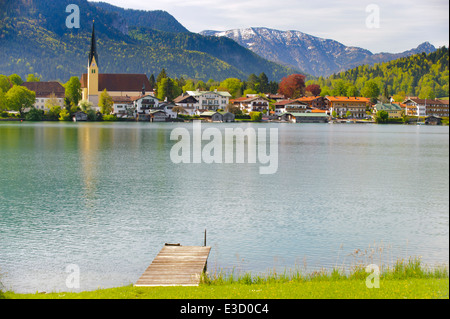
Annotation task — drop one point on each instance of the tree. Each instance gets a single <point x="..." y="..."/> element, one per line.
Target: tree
<point x="314" y="89"/>
<point x="2" y="100"/>
<point x="5" y="85"/>
<point x="73" y="90"/>
<point x="352" y="91"/>
<point x="382" y="116"/>
<point x="161" y="75"/>
<point x="178" y="109"/>
<point x="85" y="106"/>
<point x="33" y="78"/>
<point x="152" y="81"/>
<point x="15" y="79"/>
<point x="292" y="86"/>
<point x="263" y="83"/>
<point x="105" y="102"/>
<point x="169" y="89"/>
<point x="19" y="98"/>
<point x="232" y="85"/>
<point x="339" y="88"/>
<point x="427" y="93"/>
<point x="64" y="115"/>
<point x="371" y="90"/>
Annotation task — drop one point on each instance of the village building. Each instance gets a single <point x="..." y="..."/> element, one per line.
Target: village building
<point x="316" y="117"/>
<point x="357" y="106"/>
<point x="395" y="111"/>
<point x="251" y="104"/>
<point x="79" y="117"/>
<point x="212" y="116"/>
<point x="145" y="103"/>
<point x="188" y="102"/>
<point x="275" y="97"/>
<point x="425" y="107"/>
<point x="211" y="100"/>
<point x="433" y="120"/>
<point x="93" y="82"/>
<point x="291" y="106"/>
<point x="45" y="92"/>
<point x="317" y="102"/>
<point x="123" y="106"/>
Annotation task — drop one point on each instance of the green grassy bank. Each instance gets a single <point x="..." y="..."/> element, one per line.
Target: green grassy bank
<point x="405" y="280"/>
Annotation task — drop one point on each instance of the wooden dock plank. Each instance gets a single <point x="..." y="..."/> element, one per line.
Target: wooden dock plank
<point x="176" y="266"/>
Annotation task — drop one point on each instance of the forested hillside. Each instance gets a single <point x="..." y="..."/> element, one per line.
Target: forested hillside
<point x="34" y="39"/>
<point x="423" y="75"/>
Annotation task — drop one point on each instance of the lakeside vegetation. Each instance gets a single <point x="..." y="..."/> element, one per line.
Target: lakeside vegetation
<point x="404" y="279"/>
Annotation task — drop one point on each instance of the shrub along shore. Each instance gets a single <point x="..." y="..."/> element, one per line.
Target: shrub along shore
<point x="405" y="279"/>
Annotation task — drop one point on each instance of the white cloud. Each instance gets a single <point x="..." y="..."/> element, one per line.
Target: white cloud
<point x="403" y="23"/>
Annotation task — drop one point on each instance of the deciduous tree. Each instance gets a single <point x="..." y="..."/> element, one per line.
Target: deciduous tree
<point x="19" y="98"/>
<point x="292" y="86"/>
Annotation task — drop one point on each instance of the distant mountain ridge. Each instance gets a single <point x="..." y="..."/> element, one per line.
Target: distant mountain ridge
<point x="34" y="38"/>
<point x="313" y="55"/>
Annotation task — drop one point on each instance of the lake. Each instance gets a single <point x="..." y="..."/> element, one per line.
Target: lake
<point x="105" y="197"/>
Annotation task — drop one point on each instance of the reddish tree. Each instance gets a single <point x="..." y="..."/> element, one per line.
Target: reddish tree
<point x="314" y="89"/>
<point x="292" y="86"/>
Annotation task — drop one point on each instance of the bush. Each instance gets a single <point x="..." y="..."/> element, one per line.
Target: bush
<point x="109" y="118"/>
<point x="256" y="116"/>
<point x="64" y="115"/>
<point x="35" y="115"/>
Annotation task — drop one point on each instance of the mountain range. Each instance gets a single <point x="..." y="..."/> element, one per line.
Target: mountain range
<point x="34" y="38"/>
<point x="313" y="55"/>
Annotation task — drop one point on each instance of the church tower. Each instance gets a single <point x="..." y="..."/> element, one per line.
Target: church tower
<point x="92" y="74"/>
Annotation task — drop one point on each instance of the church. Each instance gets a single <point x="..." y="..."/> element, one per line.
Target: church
<point x="93" y="82"/>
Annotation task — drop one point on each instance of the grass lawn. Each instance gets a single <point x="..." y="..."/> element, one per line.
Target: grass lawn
<point x="406" y="280"/>
<point x="341" y="289"/>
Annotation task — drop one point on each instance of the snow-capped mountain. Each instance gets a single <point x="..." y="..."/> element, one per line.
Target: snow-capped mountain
<point x="313" y="55"/>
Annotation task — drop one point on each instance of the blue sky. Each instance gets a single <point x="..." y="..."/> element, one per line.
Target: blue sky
<point x="402" y="24"/>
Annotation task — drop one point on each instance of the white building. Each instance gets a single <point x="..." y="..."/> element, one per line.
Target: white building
<point x="251" y="104"/>
<point x="145" y="103"/>
<point x="46" y="91"/>
<point x="211" y="100"/>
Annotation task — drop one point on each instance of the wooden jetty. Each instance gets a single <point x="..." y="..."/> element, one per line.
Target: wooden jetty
<point x="176" y="265"/>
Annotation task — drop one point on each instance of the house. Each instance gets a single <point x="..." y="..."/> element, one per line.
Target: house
<point x="316" y="117"/>
<point x="394" y="110"/>
<point x="188" y="102"/>
<point x="291" y="106"/>
<point x="228" y="117"/>
<point x="251" y="104"/>
<point x="93" y="82"/>
<point x="80" y="117"/>
<point x="157" y="116"/>
<point x="317" y="102"/>
<point x="211" y="100"/>
<point x="433" y="120"/>
<point x="123" y="106"/>
<point x="426" y="107"/>
<point x="275" y="97"/>
<point x="46" y="91"/>
<point x="145" y="103"/>
<point x="357" y="106"/>
<point x="168" y="109"/>
<point x="212" y="116"/>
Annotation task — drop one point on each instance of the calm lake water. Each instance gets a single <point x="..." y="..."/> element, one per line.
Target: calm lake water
<point x="106" y="197"/>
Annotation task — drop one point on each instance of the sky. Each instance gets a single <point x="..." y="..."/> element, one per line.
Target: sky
<point x="377" y="25"/>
